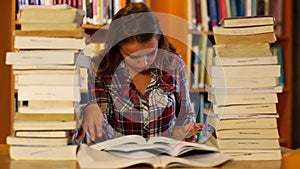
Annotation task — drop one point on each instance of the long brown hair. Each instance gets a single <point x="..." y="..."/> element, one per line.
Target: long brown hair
<point x="134" y="22"/>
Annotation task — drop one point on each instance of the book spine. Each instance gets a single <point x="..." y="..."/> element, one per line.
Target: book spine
<point x="213" y="14"/>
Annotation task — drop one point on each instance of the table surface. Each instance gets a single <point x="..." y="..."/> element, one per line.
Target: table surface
<point x="7" y="163"/>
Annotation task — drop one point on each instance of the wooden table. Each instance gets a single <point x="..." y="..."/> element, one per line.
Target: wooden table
<point x="7" y="163"/>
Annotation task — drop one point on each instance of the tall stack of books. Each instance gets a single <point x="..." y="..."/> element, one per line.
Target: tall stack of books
<point x="243" y="89"/>
<point x="48" y="82"/>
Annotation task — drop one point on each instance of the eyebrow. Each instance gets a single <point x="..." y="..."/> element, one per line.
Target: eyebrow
<point x="131" y="55"/>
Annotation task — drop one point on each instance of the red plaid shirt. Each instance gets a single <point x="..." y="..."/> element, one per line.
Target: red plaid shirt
<point x="164" y="105"/>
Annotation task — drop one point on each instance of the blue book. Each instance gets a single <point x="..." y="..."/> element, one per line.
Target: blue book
<point x="240" y="7"/>
<point x="213" y="14"/>
<point x="280" y="62"/>
<point x="233" y="8"/>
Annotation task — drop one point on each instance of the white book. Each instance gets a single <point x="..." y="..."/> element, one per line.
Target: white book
<point x="235" y="61"/>
<point x="48" y="67"/>
<point x="255" y="90"/>
<point x="244" y="71"/>
<point x="246" y="109"/>
<point x="238" y="99"/>
<point x="248" y="134"/>
<point x="248" y="144"/>
<point x="55" y="93"/>
<point x="246" y="155"/>
<point x="66" y="152"/>
<point x="44" y="125"/>
<point x="54" y="134"/>
<point x="37" y="42"/>
<point x="41" y="57"/>
<point x="243" y="82"/>
<point x="43" y="71"/>
<point x="46" y="110"/>
<point x="49" y="80"/>
<point x="36" y="141"/>
<point x="243" y="30"/>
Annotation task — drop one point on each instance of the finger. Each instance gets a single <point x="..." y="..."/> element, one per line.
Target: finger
<point x="91" y="131"/>
<point x="98" y="127"/>
<point x="193" y="138"/>
<point x="80" y="134"/>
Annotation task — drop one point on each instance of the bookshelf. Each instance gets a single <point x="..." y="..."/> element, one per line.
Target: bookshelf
<point x="175" y="7"/>
<point x="7" y="92"/>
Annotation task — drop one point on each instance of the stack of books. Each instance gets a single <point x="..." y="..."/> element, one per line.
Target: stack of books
<point x="243" y="89"/>
<point x="48" y="83"/>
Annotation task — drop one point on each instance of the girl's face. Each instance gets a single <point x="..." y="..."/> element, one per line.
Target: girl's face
<point x="139" y="56"/>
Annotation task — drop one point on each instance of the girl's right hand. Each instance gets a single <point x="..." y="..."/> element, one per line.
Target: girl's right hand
<point x="92" y="120"/>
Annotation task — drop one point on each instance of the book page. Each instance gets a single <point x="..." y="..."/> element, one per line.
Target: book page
<point x="136" y="139"/>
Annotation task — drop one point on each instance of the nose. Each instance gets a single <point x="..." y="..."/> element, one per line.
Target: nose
<point x="143" y="62"/>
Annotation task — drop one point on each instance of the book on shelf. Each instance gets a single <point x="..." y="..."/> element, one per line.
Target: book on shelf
<point x="49" y="26"/>
<point x="38" y="42"/>
<point x="157" y="152"/>
<point x="244" y="71"/>
<point x="37" y="141"/>
<point x="243" y="82"/>
<point x="248" y="134"/>
<point x="237" y="99"/>
<point x="239" y="61"/>
<point x="49" y="79"/>
<point x="43" y="134"/>
<point x="52" y="93"/>
<point x="243" y="50"/>
<point x="244" y="123"/>
<point x="44" y="125"/>
<point x="245" y="39"/>
<point x="41" y="57"/>
<point x="64" y="152"/>
<point x="45" y="116"/>
<point x="51" y="14"/>
<point x="246" y="109"/>
<point x="245" y="21"/>
<point x="243" y="30"/>
<point x="271" y="89"/>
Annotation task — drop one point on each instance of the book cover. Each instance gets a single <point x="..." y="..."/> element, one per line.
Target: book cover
<point x="243" y="21"/>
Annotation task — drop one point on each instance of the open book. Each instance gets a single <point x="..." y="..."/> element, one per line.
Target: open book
<point x="160" y="151"/>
